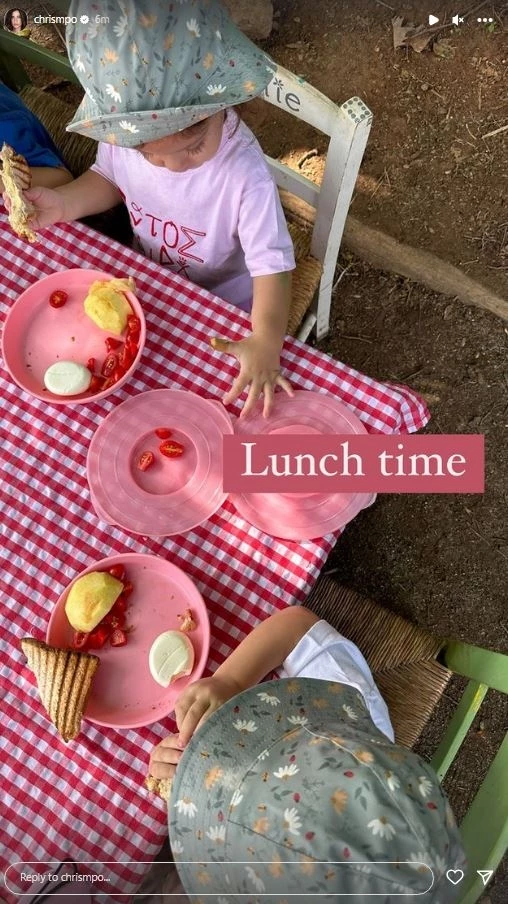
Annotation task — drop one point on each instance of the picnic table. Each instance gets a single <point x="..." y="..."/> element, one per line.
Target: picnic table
<point x="86" y="800"/>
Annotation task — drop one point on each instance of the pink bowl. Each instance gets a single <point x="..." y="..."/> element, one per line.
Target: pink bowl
<point x="124" y="694"/>
<point x="35" y="335"/>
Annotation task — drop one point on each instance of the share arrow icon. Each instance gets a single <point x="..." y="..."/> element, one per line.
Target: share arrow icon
<point x="485" y="875"/>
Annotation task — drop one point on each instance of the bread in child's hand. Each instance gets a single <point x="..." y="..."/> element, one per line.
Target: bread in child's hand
<point x="90" y="598"/>
<point x="17" y="177"/>
<point x="159" y="786"/>
<point x="220" y="345"/>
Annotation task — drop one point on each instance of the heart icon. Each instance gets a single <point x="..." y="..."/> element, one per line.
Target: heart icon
<point x="455" y="876"/>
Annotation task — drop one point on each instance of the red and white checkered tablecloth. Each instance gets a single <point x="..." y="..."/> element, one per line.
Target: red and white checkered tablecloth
<point x="85" y="800"/>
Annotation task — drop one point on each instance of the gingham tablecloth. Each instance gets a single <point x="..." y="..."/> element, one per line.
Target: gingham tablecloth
<point x="85" y="800"/>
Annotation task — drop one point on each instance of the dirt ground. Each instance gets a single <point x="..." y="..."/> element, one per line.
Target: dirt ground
<point x="431" y="179"/>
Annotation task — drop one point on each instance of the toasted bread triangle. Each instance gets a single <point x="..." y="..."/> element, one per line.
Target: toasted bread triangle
<point x="64" y="679"/>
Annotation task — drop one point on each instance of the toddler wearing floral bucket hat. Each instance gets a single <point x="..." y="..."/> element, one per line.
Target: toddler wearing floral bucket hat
<point x="293" y="790"/>
<point x="162" y="83"/>
<point x="288" y="792"/>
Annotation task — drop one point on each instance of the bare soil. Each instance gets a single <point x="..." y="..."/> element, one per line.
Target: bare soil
<point x="432" y="179"/>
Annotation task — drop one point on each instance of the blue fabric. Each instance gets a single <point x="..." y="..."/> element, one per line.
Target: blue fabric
<point x="23" y="131"/>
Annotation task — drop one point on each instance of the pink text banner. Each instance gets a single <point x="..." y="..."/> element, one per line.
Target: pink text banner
<point x="333" y="463"/>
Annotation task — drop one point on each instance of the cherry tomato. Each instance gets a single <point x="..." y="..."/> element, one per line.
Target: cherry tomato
<point x="128" y="587"/>
<point x="146" y="459"/>
<point x="98" y="637"/>
<point x="133" y="324"/>
<point x="108" y="383"/>
<point x="109" y="365"/>
<point x="96" y="384"/>
<point x="80" y="640"/>
<point x="118" y="373"/>
<point x="163" y="432"/>
<point x="131" y="344"/>
<point x="171" y="449"/>
<point x="114" y="621"/>
<point x="120" y="606"/>
<point x="125" y="357"/>
<point x="57" y="299"/>
<point x="118" y="572"/>
<point x="112" y="344"/>
<point x="91" y="364"/>
<point x="118" y="638"/>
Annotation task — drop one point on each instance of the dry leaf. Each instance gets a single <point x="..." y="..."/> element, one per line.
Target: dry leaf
<point x="415" y="36"/>
<point x="444" y="49"/>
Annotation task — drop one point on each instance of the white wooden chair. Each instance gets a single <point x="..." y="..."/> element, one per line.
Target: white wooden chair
<point x="348" y="127"/>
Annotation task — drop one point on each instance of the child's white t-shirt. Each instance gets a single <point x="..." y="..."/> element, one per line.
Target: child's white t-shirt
<point x="324" y="653"/>
<point x="218" y="225"/>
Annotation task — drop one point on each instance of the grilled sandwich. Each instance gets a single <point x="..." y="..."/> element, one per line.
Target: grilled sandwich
<point x="64" y="679"/>
<point x="16" y="177"/>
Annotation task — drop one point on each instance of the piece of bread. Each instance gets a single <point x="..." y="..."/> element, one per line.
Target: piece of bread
<point x="90" y="598"/>
<point x="107" y="305"/>
<point x="17" y="177"/>
<point x="64" y="679"/>
<point x="159" y="786"/>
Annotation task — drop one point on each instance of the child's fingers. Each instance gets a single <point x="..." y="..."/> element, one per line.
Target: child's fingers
<point x="222" y="345"/>
<point x="286" y="385"/>
<point x="162" y="770"/>
<point x="236" y="390"/>
<point x="190" y="721"/>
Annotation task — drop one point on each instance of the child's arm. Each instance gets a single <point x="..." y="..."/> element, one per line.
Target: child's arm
<point x="265" y="648"/>
<point x="88" y="194"/>
<point x="259" y="354"/>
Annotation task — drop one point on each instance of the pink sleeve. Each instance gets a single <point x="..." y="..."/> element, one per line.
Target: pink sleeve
<point x="104" y="163"/>
<point x="263" y="231"/>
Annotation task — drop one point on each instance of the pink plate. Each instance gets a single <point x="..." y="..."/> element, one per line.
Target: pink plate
<point x="35" y="335"/>
<point x="174" y="494"/>
<point x="124" y="694"/>
<point x="301" y="516"/>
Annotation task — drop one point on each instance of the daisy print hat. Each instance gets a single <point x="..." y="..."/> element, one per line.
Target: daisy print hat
<point x="150" y="68"/>
<point x="290" y="793"/>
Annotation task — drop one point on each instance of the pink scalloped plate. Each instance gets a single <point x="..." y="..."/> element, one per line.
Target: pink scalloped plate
<point x="35" y="335"/>
<point x="301" y="516"/>
<point x="174" y="494"/>
<point x="124" y="694"/>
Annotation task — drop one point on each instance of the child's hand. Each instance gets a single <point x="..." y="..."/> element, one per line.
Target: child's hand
<point x="48" y="204"/>
<point x="165" y="757"/>
<point x="199" y="701"/>
<point x="259" y="365"/>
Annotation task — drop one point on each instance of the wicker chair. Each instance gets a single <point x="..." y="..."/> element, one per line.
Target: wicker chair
<point x="404" y="661"/>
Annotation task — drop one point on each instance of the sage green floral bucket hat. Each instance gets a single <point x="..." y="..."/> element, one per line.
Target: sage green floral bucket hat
<point x="156" y="68"/>
<point x="290" y="793"/>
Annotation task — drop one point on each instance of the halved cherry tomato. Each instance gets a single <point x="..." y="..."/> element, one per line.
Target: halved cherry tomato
<point x="125" y="357"/>
<point x="118" y="572"/>
<point x="96" y="384"/>
<point x="118" y="373"/>
<point x="91" y="364"/>
<point x="128" y="587"/>
<point x="133" y="324"/>
<point x="163" y="432"/>
<point x="98" y="637"/>
<point x="112" y="344"/>
<point x="118" y="638"/>
<point x="171" y="449"/>
<point x="57" y="299"/>
<point x="146" y="459"/>
<point x="114" y="621"/>
<point x="80" y="640"/>
<point x="108" y="384"/>
<point x="109" y="365"/>
<point x="120" y="606"/>
<point x="131" y="344"/>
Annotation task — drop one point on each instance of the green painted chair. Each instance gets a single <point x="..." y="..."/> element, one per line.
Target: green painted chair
<point x="412" y="669"/>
